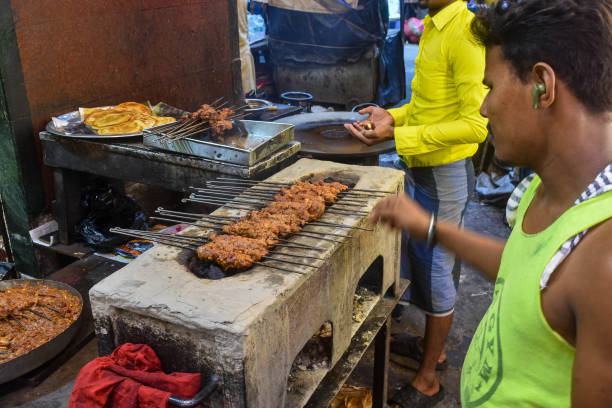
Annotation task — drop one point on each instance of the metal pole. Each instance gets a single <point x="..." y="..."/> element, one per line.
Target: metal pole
<point x="4" y="233"/>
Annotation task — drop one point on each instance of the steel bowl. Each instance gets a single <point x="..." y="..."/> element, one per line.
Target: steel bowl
<point x="18" y="366"/>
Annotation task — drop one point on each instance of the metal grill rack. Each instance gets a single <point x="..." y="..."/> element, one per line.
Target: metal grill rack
<point x="246" y="195"/>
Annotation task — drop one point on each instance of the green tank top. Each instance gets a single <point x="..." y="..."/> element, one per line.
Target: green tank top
<point x="515" y="359"/>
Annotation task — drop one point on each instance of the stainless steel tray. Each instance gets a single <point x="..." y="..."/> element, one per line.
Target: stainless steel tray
<point x="249" y="142"/>
<point x="18" y="366"/>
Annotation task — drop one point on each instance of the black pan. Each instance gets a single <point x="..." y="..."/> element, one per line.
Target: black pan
<point x="18" y="366"/>
<point x="323" y="136"/>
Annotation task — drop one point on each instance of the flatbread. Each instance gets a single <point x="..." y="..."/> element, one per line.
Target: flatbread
<point x="162" y="120"/>
<point x="109" y="117"/>
<point x="146" y="121"/>
<point x="121" y="129"/>
<point x="125" y="118"/>
<point x="134" y="107"/>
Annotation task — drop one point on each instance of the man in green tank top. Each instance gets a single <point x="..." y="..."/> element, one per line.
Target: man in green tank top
<point x="546" y="339"/>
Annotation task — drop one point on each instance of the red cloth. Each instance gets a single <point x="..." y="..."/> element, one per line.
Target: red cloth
<point x="130" y="378"/>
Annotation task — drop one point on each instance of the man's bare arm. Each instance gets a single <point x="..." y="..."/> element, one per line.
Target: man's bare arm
<point x="481" y="251"/>
<point x="401" y="212"/>
<point x="591" y="300"/>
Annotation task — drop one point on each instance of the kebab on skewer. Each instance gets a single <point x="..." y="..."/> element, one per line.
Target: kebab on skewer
<point x="249" y="239"/>
<point x="219" y="120"/>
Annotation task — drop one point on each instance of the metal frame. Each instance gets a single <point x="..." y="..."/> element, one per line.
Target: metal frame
<point x="73" y="159"/>
<point x="20" y="178"/>
<point x="4" y="233"/>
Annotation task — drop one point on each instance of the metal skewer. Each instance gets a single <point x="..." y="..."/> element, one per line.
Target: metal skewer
<point x="195" y="123"/>
<point x="285" y="184"/>
<point x="249" y="208"/>
<point x="188" y="240"/>
<point x="241" y="205"/>
<point x="205" y="239"/>
<point x="39" y="314"/>
<point x="323" y="235"/>
<point x="280" y="269"/>
<point x="289" y="262"/>
<point x="267" y="196"/>
<point x="17" y="321"/>
<point x="264" y="191"/>
<point x="164" y="241"/>
<point x="308" y="224"/>
<point x="256" y="200"/>
<point x="198" y="223"/>
<point x="177" y="242"/>
<point x="354" y="195"/>
<point x="230" y="219"/>
<point x="216" y="101"/>
<point x="50" y="308"/>
<point x="188" y="122"/>
<point x="204" y="216"/>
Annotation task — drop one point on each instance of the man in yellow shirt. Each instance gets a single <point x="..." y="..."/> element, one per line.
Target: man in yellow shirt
<point x="435" y="136"/>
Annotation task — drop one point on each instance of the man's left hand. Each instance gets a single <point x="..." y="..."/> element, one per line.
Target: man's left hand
<point x="370" y="137"/>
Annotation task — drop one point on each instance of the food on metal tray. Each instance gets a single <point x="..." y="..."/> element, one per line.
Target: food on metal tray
<point x="247" y="240"/>
<point x="162" y="120"/>
<point x="134" y="107"/>
<point x="110" y="117"/>
<point x="125" y="118"/>
<point x="33" y="314"/>
<point x="121" y="129"/>
<point x="219" y="120"/>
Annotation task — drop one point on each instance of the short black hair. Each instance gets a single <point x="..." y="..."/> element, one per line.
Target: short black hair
<point x="573" y="36"/>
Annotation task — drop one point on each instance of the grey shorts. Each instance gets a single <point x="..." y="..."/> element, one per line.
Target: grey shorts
<point x="434" y="274"/>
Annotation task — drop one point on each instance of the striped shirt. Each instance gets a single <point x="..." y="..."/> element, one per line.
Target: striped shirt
<point x="601" y="184"/>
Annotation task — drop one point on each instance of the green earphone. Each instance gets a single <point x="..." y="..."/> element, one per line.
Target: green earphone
<point x="537" y="91"/>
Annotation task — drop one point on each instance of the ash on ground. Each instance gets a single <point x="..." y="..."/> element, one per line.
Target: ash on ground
<point x="362" y="296"/>
<point x="316" y="354"/>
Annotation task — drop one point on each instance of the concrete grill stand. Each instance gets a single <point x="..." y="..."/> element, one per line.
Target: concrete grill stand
<point x="248" y="328"/>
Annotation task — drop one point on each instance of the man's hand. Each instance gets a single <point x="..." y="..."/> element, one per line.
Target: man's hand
<point x="378" y="116"/>
<point x="370" y="136"/>
<point x="402" y="212"/>
<point x="377" y="128"/>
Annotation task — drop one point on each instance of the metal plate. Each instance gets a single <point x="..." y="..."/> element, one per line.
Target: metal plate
<point x="322" y="134"/>
<point x="257" y="105"/>
<point x="77" y="129"/>
<point x="18" y="366"/>
<point x="249" y="142"/>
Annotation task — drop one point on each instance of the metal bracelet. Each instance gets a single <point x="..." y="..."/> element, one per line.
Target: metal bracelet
<point x="431" y="232"/>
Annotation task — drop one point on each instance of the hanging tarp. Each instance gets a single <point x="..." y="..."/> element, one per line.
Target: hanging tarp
<point x="300" y="37"/>
<point x="315" y="6"/>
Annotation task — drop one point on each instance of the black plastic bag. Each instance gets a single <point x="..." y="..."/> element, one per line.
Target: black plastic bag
<point x="8" y="271"/>
<point x="106" y="208"/>
<point x="392" y="76"/>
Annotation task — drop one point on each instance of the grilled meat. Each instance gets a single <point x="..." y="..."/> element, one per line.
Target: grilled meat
<point x="233" y="251"/>
<point x="219" y="120"/>
<point x="247" y="240"/>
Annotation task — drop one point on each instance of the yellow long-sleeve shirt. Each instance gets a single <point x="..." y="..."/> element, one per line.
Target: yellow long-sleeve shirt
<point x="442" y="123"/>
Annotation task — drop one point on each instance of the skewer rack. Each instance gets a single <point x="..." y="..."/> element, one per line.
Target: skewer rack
<point x="246" y="195"/>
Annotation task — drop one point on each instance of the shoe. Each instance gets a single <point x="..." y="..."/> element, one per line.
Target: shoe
<point x="410" y="397"/>
<point x="408" y="346"/>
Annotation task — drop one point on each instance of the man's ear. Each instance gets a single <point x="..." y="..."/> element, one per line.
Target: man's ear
<point x="545" y="81"/>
